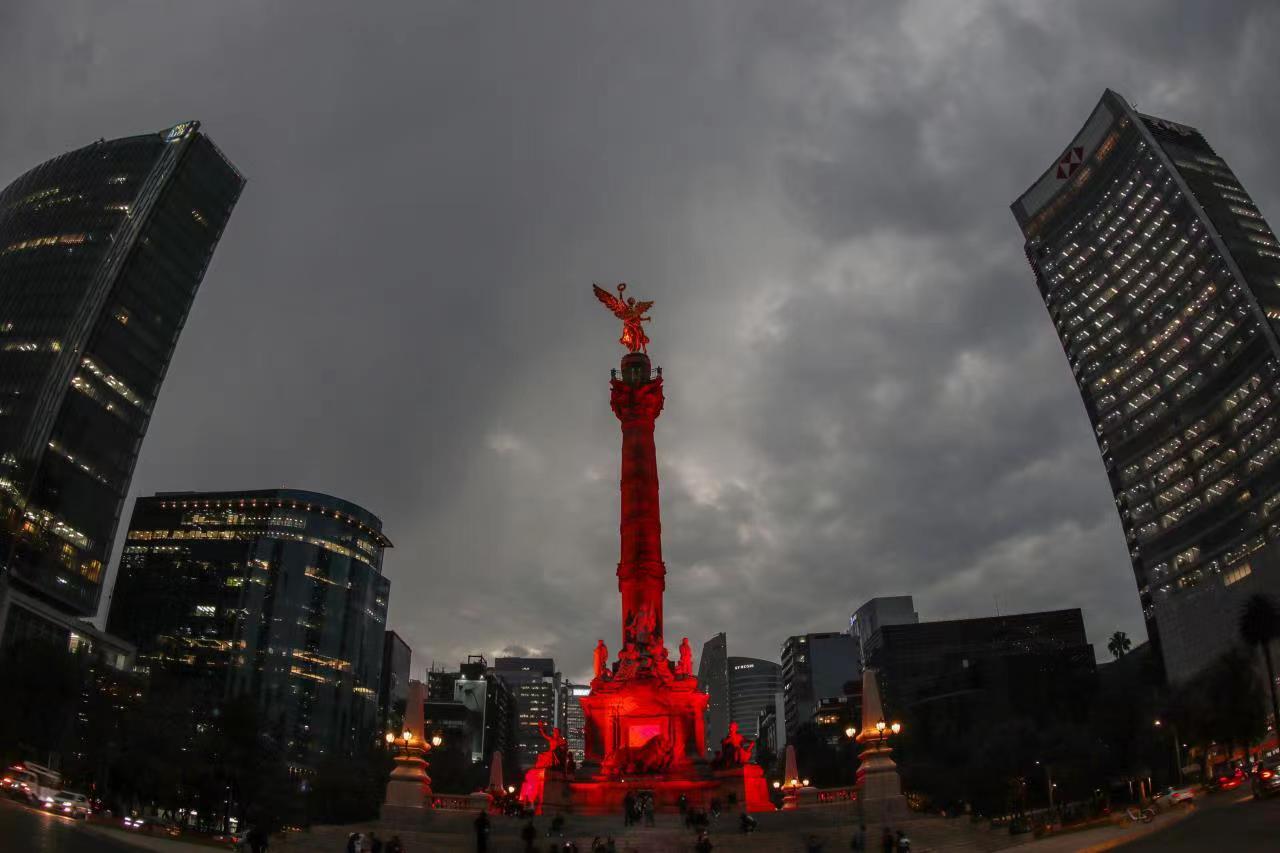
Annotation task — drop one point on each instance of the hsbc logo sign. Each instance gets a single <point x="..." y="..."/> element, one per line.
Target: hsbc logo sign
<point x="1070" y="162"/>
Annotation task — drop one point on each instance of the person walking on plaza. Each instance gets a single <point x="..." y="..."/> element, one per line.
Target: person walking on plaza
<point x="904" y="843"/>
<point x="528" y="835"/>
<point x="886" y="841"/>
<point x="628" y="808"/>
<point x="482" y="832"/>
<point x="395" y="845"/>
<point x="859" y="841"/>
<point x="704" y="844"/>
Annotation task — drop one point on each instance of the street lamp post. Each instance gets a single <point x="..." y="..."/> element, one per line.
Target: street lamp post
<point x="1177" y="748"/>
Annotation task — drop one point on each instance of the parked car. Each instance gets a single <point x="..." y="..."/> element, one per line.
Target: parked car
<point x="68" y="803"/>
<point x="1266" y="779"/>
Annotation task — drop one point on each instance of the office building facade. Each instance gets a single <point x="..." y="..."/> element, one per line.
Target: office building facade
<point x="393" y="682"/>
<point x="815" y="667"/>
<point x="573" y="718"/>
<point x="276" y="594"/>
<point x="753" y="683"/>
<point x="1162" y="279"/>
<point x="877" y="612"/>
<point x="535" y="691"/>
<point x="101" y="252"/>
<point x="978" y="671"/>
<point x="713" y="679"/>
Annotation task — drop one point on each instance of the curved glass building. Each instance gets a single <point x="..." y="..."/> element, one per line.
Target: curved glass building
<point x="101" y="252"/>
<point x="1162" y="280"/>
<point x="753" y="686"/>
<point x="277" y="595"/>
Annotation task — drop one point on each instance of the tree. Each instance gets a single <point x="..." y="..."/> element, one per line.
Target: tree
<point x="1259" y="625"/>
<point x="1119" y="644"/>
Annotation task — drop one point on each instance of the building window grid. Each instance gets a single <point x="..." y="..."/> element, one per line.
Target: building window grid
<point x="1211" y="339"/>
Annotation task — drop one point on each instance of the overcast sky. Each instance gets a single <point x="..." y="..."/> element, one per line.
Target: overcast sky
<point x="865" y="395"/>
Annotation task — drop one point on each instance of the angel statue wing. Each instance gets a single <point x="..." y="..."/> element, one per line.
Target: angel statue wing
<point x="641" y="307"/>
<point x="613" y="303"/>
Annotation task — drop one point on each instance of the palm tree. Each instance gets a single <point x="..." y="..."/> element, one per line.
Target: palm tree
<point x="1259" y="625"/>
<point x="1119" y="644"/>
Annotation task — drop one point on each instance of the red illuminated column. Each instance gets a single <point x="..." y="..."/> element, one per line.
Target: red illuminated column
<point x="637" y="400"/>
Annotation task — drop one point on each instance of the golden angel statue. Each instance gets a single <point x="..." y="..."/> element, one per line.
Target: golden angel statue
<point x="631" y="313"/>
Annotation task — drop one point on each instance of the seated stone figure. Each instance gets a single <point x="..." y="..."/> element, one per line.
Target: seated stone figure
<point x="735" y="750"/>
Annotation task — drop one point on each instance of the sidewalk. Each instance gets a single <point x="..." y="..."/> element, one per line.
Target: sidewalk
<point x="146" y="842"/>
<point x="1104" y="837"/>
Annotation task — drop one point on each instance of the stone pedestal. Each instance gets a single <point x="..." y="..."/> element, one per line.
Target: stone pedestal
<point x="409" y="786"/>
<point x="880" y="787"/>
<point x="546" y="790"/>
<point x="748" y="787"/>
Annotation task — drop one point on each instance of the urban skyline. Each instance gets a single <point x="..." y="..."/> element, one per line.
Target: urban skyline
<point x="1047" y="502"/>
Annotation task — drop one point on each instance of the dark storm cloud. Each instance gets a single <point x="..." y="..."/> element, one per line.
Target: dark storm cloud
<point x="864" y="394"/>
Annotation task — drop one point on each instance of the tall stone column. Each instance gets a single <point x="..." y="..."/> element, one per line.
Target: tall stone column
<point x="637" y="399"/>
<point x="879" y="785"/>
<point x="409" y="786"/>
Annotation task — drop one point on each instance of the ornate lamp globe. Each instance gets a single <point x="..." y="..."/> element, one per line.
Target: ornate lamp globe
<point x="850" y="731"/>
<point x="896" y="727"/>
<point x="390" y="738"/>
<point x="880" y="726"/>
<point x="408" y="737"/>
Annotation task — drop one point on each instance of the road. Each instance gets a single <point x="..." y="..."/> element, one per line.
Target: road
<point x="1242" y="824"/>
<point x="31" y="831"/>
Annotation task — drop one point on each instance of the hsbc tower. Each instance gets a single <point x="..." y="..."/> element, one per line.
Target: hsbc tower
<point x="1162" y="280"/>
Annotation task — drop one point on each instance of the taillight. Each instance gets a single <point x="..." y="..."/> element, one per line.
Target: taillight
<point x="1267" y="774"/>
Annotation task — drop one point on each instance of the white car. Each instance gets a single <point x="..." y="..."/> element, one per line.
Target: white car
<point x="68" y="803"/>
<point x="1185" y="794"/>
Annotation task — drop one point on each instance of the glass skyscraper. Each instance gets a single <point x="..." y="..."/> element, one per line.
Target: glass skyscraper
<point x="101" y="252"/>
<point x="275" y="594"/>
<point x="1163" y="283"/>
<point x="753" y="683"/>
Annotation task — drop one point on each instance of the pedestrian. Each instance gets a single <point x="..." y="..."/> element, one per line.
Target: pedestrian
<point x="482" y="832"/>
<point x="886" y="841"/>
<point x="257" y="839"/>
<point x="904" y="843"/>
<point x="557" y="826"/>
<point x="609" y="845"/>
<point x="353" y="843"/>
<point x="528" y="835"/>
<point x="704" y="844"/>
<point x="648" y="811"/>
<point x="683" y="804"/>
<point x="375" y="843"/>
<point x="395" y="845"/>
<point x="715" y="807"/>
<point x="628" y="808"/>
<point x="859" y="841"/>
<point x="812" y="844"/>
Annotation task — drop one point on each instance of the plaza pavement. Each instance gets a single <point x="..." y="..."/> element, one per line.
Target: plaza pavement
<point x="778" y="832"/>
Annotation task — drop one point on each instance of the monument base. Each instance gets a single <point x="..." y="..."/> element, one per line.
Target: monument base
<point x="546" y="790"/>
<point x="409" y="786"/>
<point x="880" y="787"/>
<point x="745" y="786"/>
<point x="607" y="797"/>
